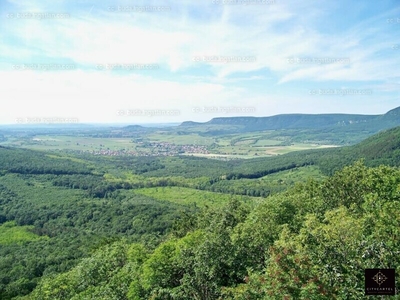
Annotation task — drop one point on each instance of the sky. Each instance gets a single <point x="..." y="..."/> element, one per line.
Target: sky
<point x="95" y="61"/>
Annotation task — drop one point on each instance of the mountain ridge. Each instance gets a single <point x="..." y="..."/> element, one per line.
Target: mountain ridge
<point x="306" y="121"/>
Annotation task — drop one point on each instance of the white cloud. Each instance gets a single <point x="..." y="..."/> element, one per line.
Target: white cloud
<point x="270" y="33"/>
<point x="100" y="95"/>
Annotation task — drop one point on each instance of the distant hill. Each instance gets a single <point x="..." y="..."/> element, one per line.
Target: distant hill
<point x="307" y="121"/>
<point x="133" y="127"/>
<point x="380" y="149"/>
<point x="292" y="121"/>
<point x="394" y="112"/>
<point x="190" y="123"/>
<point x="136" y="129"/>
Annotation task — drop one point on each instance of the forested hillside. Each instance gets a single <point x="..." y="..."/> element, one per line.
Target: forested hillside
<point x="312" y="242"/>
<point x="33" y="162"/>
<point x="56" y="210"/>
<point x="95" y="227"/>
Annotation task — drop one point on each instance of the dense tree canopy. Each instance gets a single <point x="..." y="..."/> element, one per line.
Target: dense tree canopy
<point x="312" y="242"/>
<point x="78" y="227"/>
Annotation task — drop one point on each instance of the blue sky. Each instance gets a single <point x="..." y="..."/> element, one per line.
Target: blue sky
<point x="171" y="61"/>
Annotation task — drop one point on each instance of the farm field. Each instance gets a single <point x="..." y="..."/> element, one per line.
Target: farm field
<point x="294" y="147"/>
<point x="164" y="142"/>
<point x="59" y="142"/>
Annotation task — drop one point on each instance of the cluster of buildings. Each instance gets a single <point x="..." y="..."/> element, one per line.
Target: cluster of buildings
<point x="153" y="149"/>
<point x="169" y="149"/>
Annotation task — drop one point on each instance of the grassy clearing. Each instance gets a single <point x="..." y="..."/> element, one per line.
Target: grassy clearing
<point x="295" y="175"/>
<point x="10" y="233"/>
<point x="222" y="156"/>
<point x="267" y="142"/>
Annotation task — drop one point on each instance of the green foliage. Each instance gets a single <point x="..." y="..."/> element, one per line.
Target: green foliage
<point x="11" y="233"/>
<point x="105" y="275"/>
<point x="24" y="161"/>
<point x="75" y="223"/>
<point x="189" y="196"/>
<point x="311" y="242"/>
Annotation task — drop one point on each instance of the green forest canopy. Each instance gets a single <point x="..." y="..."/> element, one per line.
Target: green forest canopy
<point x="73" y="214"/>
<point x="312" y="242"/>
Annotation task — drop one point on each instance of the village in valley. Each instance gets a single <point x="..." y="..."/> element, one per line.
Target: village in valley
<point x="152" y="149"/>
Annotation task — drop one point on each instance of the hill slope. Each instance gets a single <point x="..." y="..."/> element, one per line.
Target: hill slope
<point x="381" y="148"/>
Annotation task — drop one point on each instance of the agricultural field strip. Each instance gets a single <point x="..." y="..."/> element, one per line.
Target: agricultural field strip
<point x="240" y="145"/>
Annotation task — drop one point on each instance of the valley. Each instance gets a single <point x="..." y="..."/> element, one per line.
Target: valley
<point x="76" y="198"/>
